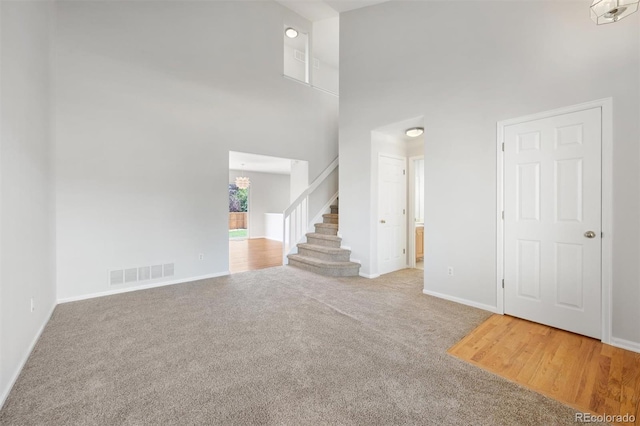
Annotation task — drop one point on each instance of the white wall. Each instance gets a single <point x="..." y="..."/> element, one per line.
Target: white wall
<point x="299" y="179"/>
<point x="268" y="193"/>
<point x="326" y="48"/>
<point x="150" y="99"/>
<point x="27" y="217"/>
<point x="491" y="61"/>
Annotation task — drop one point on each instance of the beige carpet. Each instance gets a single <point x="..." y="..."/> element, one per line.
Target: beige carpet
<point x="274" y="346"/>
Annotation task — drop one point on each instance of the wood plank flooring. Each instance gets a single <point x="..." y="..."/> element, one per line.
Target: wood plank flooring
<point x="255" y="253"/>
<point x="576" y="370"/>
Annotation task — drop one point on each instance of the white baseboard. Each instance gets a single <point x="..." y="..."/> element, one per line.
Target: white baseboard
<point x="142" y="287"/>
<point x="625" y="344"/>
<point x="371" y="276"/>
<point x="5" y="392"/>
<point x="482" y="306"/>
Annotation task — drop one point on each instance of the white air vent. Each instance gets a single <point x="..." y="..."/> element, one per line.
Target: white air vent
<point x="116" y="277"/>
<point x="156" y="272"/>
<point x="144" y="273"/>
<point x="316" y="63"/>
<point x="130" y="275"/>
<point x="299" y="56"/>
<point x="141" y="273"/>
<point x="168" y="269"/>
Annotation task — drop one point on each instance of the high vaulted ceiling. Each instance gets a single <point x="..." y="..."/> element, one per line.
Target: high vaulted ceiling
<point x="316" y="10"/>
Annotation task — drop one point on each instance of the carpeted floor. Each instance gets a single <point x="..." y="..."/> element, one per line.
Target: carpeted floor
<point x="274" y="346"/>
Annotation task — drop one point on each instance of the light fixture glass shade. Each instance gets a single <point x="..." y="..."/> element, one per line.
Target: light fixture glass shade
<point x="291" y="32"/>
<point x="608" y="11"/>
<point x="242" y="182"/>
<point x="414" y="132"/>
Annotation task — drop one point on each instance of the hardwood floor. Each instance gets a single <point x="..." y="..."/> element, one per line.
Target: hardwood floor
<point x="256" y="253"/>
<point x="576" y="370"/>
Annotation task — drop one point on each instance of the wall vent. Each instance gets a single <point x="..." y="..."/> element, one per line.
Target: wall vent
<point x="141" y="273"/>
<point x="144" y="273"/>
<point x="156" y="272"/>
<point x="167" y="269"/>
<point x="130" y="275"/>
<point x="116" y="277"/>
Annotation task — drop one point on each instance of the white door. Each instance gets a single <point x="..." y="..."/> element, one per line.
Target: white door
<point x="552" y="221"/>
<point x="392" y="223"/>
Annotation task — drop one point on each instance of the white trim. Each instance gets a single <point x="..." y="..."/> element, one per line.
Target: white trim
<point x="142" y="287"/>
<point x="607" y="218"/>
<point x="606" y="107"/>
<point x="14" y="378"/>
<point x="461" y="301"/>
<point x="625" y="344"/>
<point x="411" y="224"/>
<point x="370" y="276"/>
<point x="499" y="222"/>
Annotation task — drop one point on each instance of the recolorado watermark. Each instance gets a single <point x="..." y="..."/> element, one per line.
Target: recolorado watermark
<point x="604" y="418"/>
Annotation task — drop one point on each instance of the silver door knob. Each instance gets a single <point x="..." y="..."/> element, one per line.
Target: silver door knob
<point x="383" y="221"/>
<point x="590" y="234"/>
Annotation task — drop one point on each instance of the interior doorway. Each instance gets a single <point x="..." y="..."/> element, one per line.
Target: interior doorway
<point x="260" y="189"/>
<point x="397" y="226"/>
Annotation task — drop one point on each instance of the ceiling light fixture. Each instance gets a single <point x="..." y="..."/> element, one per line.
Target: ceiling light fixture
<point x="291" y="32"/>
<point x="414" y="132"/>
<point x="242" y="182"/>
<point x="608" y="11"/>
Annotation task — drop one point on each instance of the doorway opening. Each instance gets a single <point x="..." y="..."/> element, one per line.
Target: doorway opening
<point x="260" y="189"/>
<point x="398" y="196"/>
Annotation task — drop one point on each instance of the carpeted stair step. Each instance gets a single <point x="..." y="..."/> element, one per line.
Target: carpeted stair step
<point x="330" y="218"/>
<point x="329" y="254"/>
<point x="326" y="228"/>
<point x="324" y="240"/>
<point x="334" y="209"/>
<point x="330" y="269"/>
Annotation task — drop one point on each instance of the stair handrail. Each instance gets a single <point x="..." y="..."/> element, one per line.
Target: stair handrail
<point x="301" y="209"/>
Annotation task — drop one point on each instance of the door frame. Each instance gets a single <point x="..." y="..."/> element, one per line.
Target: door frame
<point x="606" y="108"/>
<point x="411" y="224"/>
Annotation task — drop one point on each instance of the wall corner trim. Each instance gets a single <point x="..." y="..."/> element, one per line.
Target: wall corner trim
<point x="370" y="276"/>
<point x="467" y="302"/>
<point x="5" y="392"/>
<point x="142" y="287"/>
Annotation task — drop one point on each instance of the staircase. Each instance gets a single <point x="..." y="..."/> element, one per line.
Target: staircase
<point x="322" y="253"/>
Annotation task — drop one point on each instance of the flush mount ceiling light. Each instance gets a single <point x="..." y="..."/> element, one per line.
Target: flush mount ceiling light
<point x="608" y="11"/>
<point x="414" y="132"/>
<point x="242" y="182"/>
<point x="291" y="32"/>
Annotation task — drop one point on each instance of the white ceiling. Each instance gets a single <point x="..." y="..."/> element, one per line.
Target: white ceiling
<point x="317" y="10"/>
<point x="347" y="5"/>
<point x="259" y="163"/>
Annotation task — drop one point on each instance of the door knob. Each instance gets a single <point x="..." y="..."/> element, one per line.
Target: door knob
<point x="383" y="221"/>
<point x="590" y="234"/>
